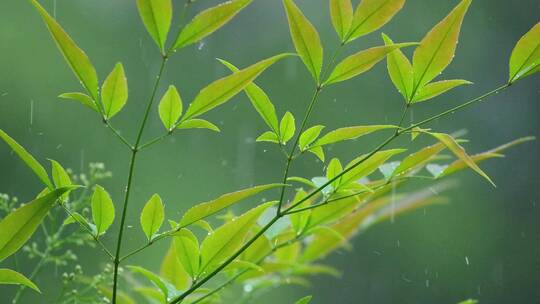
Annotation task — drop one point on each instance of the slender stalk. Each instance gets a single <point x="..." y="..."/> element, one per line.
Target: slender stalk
<point x="118" y="135"/>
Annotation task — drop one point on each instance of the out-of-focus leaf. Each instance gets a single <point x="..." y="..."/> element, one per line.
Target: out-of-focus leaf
<point x="173" y="271"/>
<point x="114" y="92"/>
<point x="153" y="295"/>
<point x="76" y="58"/>
<point x="28" y="159"/>
<point x="309" y="136"/>
<point x="400" y="70"/>
<point x="152" y="277"/>
<point x="323" y="241"/>
<point x="197" y="123"/>
<point x="349" y="133"/>
<point x="388" y="169"/>
<point x="8" y="276"/>
<point x="434" y="89"/>
<point x="225" y="240"/>
<point x="18" y="226"/>
<point x="268" y="136"/>
<point x="287" y="127"/>
<point x="525" y="58"/>
<point x="301" y="180"/>
<point x="367" y="166"/>
<point x="187" y="250"/>
<point x="203" y="210"/>
<point x="152" y="216"/>
<point x="469" y="301"/>
<point x="244" y="265"/>
<point x="341" y="12"/>
<point x="121" y="297"/>
<point x="305" y="38"/>
<point x="221" y="90"/>
<point x="418" y="158"/>
<point x="437" y="48"/>
<point x="156" y="16"/>
<point x="170" y="108"/>
<point x="333" y="169"/>
<point x="102" y="210"/>
<point x="333" y="211"/>
<point x="82" y="98"/>
<point x="361" y="62"/>
<point x="304" y="300"/>
<point x="258" y="250"/>
<point x="208" y="21"/>
<point x="370" y="15"/>
<point x="300" y="220"/>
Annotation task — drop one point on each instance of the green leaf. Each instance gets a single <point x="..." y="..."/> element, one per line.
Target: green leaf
<point x="203" y="210"/>
<point x="469" y="301"/>
<point x="349" y="133"/>
<point x="114" y="92"/>
<point x="418" y="158"/>
<point x="460" y="152"/>
<point x="305" y="38"/>
<point x="399" y="69"/>
<point x="8" y="276"/>
<point x="434" y="89"/>
<point x="268" y="136"/>
<point x="370" y="15"/>
<point x="334" y="168"/>
<point x="82" y="98"/>
<point x="309" y="136"/>
<point x="341" y="12"/>
<point x="304" y="300"/>
<point x="299" y="220"/>
<point x="227" y="239"/>
<point x="437" y="48"/>
<point x="152" y="277"/>
<point x="187" y="250"/>
<point x="76" y="58"/>
<point x="367" y="166"/>
<point x="221" y="90"/>
<point x="170" y="108"/>
<point x="361" y="62"/>
<point x="18" y="226"/>
<point x="333" y="211"/>
<point x="287" y="127"/>
<point x="156" y="16"/>
<point x="260" y="101"/>
<point x="197" y="123"/>
<point x="102" y="210"/>
<point x="301" y="180"/>
<point x="317" y="151"/>
<point x="172" y="270"/>
<point x="60" y="176"/>
<point x="208" y="21"/>
<point x="152" y="216"/>
<point x="28" y="159"/>
<point x="525" y="58"/>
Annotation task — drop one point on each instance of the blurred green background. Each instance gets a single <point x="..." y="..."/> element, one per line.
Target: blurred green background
<point x="420" y="258"/>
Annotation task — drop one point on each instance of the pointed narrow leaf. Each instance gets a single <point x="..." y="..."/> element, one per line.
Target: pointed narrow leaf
<point x="437" y="48"/>
<point x="220" y="91"/>
<point x="434" y="89"/>
<point x="208" y="21"/>
<point x="198" y="124"/>
<point x="458" y="150"/>
<point x="82" y="98"/>
<point x="152" y="216"/>
<point x="361" y="62"/>
<point x="225" y="240"/>
<point x="399" y="69"/>
<point x="309" y="136"/>
<point x="268" y="136"/>
<point x="18" y="226"/>
<point x="260" y="101"/>
<point x="60" y="176"/>
<point x="209" y="208"/>
<point x="152" y="277"/>
<point x="305" y="38"/>
<point x="102" y="210"/>
<point x="525" y="58"/>
<point x="304" y="300"/>
<point x="333" y="211"/>
<point x="367" y="166"/>
<point x="341" y="12"/>
<point x="114" y="91"/>
<point x="28" y="159"/>
<point x="418" y="158"/>
<point x="172" y="270"/>
<point x="170" y="108"/>
<point x="8" y="276"/>
<point x="371" y="15"/>
<point x="318" y="151"/>
<point x="349" y="133"/>
<point x="76" y="58"/>
<point x="156" y="16"/>
<point x="287" y="127"/>
<point x="299" y="220"/>
<point x="334" y="168"/>
<point x="187" y="250"/>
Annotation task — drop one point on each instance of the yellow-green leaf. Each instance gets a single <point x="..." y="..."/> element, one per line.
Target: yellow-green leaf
<point x="203" y="210"/>
<point x="341" y="12"/>
<point x="334" y="168"/>
<point x="152" y="216"/>
<point x="11" y="277"/>
<point x="317" y="151"/>
<point x="370" y="15"/>
<point x="434" y="89"/>
<point x="418" y="158"/>
<point x="172" y="270"/>
<point x="305" y="38"/>
<point x="76" y="58"/>
<point x="460" y="152"/>
<point x="287" y="127"/>
<point x="367" y="166"/>
<point x="156" y="16"/>
<point x="361" y="62"/>
<point x="299" y="220"/>
<point x="437" y="48"/>
<point x="187" y="250"/>
<point x="18" y="226"/>
<point x="102" y="210"/>
<point x="309" y="136"/>
<point x="221" y="90"/>
<point x="82" y="98"/>
<point x="349" y="133"/>
<point x="59" y="175"/>
<point x="152" y="277"/>
<point x="304" y="300"/>
<point x="268" y="136"/>
<point x="170" y="108"/>
<point x="525" y="58"/>
<point x="114" y="92"/>
<point x="399" y="69"/>
<point x="196" y="123"/>
<point x="208" y="21"/>
<point x="28" y="159"/>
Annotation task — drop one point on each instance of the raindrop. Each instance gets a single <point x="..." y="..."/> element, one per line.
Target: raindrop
<point x="201" y="45"/>
<point x="467" y="260"/>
